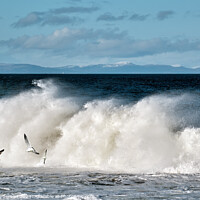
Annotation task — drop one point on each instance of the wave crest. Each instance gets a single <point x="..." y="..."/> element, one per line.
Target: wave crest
<point x="152" y="135"/>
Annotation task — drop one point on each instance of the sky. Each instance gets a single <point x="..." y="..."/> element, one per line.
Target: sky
<point x="55" y="33"/>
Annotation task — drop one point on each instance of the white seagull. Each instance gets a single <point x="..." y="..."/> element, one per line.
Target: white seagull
<point x="45" y="157"/>
<point x="29" y="147"/>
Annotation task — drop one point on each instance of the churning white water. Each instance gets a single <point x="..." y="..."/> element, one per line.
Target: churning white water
<point x="155" y="134"/>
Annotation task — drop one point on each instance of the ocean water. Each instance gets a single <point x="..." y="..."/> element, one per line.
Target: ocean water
<point x="107" y="136"/>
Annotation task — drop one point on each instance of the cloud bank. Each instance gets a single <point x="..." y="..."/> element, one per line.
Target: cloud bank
<point x="62" y="15"/>
<point x="138" y="17"/>
<point x="109" y="17"/>
<point x="54" y="17"/>
<point x="98" y="43"/>
<point x="162" y="15"/>
<point x="67" y="10"/>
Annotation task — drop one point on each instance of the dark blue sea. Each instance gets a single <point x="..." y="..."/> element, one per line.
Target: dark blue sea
<point x="107" y="137"/>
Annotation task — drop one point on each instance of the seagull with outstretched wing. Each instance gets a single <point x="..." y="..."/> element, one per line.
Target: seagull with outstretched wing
<point x="45" y="157"/>
<point x="29" y="147"/>
<point x="1" y="151"/>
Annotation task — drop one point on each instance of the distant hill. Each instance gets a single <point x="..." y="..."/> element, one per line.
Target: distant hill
<point x="127" y="68"/>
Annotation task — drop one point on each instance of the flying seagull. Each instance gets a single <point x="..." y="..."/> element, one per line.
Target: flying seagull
<point x="1" y="151"/>
<point x="29" y="147"/>
<point x="45" y="157"/>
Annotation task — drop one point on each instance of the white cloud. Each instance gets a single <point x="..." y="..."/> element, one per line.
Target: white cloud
<point x="98" y="44"/>
<point x="176" y="65"/>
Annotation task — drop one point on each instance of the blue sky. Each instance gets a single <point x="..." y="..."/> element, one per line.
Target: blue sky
<point x="83" y="32"/>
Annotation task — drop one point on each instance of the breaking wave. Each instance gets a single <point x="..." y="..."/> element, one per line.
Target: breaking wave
<point x="159" y="133"/>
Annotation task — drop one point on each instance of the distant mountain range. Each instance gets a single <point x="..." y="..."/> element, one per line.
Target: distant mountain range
<point x="127" y="68"/>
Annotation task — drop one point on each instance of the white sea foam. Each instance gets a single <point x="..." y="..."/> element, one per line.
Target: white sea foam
<point x="81" y="197"/>
<point x="158" y="133"/>
<point x="44" y="196"/>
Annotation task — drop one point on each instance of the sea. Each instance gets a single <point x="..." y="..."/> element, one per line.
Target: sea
<point x="114" y="136"/>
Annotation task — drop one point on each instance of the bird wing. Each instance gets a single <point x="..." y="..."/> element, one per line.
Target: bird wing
<point x="45" y="153"/>
<point x="26" y="141"/>
<point x="45" y="156"/>
<point x="34" y="151"/>
<point x="1" y="151"/>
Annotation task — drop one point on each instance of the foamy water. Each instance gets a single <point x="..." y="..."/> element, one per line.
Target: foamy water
<point x="159" y="133"/>
<point x="70" y="184"/>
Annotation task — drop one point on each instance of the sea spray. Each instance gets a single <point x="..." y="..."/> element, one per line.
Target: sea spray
<point x="38" y="113"/>
<point x="103" y="136"/>
<point x="154" y="134"/>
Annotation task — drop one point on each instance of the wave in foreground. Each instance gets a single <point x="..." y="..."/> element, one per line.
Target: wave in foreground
<point x="159" y="133"/>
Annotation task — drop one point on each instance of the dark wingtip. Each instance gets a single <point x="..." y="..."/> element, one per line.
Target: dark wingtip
<point x="1" y="151"/>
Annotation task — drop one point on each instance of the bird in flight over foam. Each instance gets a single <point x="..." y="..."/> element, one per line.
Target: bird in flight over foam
<point x="1" y="151"/>
<point x="29" y="147"/>
<point x="45" y="157"/>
